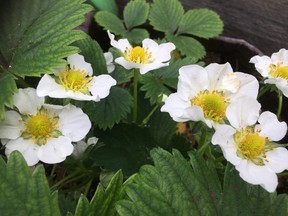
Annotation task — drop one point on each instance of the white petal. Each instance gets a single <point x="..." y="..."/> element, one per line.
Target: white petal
<point x="223" y="136"/>
<point x="277" y="159"/>
<point x="216" y="73"/>
<point x="48" y="87"/>
<point x="73" y="123"/>
<point x="262" y="64"/>
<point x="127" y="65"/>
<point x="195" y="113"/>
<point x="280" y="83"/>
<point x="11" y="126"/>
<point x="100" y="86"/>
<point x="26" y="147"/>
<point x="270" y="126"/>
<point x="249" y="86"/>
<point x="243" y="112"/>
<point x="258" y="175"/>
<point x="121" y="44"/>
<point x="109" y="62"/>
<point x="92" y="140"/>
<point x="27" y="101"/>
<point x="79" y="62"/>
<point x="280" y="56"/>
<point x="192" y="79"/>
<point x="55" y="150"/>
<point x="144" y="68"/>
<point x="175" y="106"/>
<point x="160" y="53"/>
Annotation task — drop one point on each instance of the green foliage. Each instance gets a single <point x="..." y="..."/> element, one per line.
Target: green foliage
<point x="7" y="89"/>
<point x="93" y="54"/>
<point x="110" y="22"/>
<point x="103" y="201"/>
<point x="169" y="17"/>
<point x="201" y="22"/>
<point x="173" y="187"/>
<point x="35" y="37"/>
<point x="135" y="13"/>
<point x="126" y="147"/>
<point x="107" y="5"/>
<point x="188" y="46"/>
<point x="110" y="110"/>
<point x="23" y="193"/>
<point x="165" y="15"/>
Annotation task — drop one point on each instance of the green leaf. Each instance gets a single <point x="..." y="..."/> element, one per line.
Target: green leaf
<point x="103" y="201"/>
<point x="35" y="37"/>
<point x="188" y="46"/>
<point x="23" y="193"/>
<point x="162" y="128"/>
<point x="201" y="22"/>
<point x="93" y="54"/>
<point x="111" y="109"/>
<point x="7" y="88"/>
<point x="110" y="22"/>
<point x="165" y="15"/>
<point x="135" y="13"/>
<point x="126" y="147"/>
<point x="107" y="5"/>
<point x="154" y="88"/>
<point x="136" y="35"/>
<point x="168" y="188"/>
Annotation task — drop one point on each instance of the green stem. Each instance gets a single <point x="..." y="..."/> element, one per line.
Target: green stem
<point x="280" y="101"/>
<point x="263" y="91"/>
<point x="144" y="122"/>
<point x="135" y="94"/>
<point x="67" y="179"/>
<point x="53" y="171"/>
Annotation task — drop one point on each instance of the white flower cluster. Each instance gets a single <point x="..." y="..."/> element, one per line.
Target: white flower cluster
<point x="226" y="101"/>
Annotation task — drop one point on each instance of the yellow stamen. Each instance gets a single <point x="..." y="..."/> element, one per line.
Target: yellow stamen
<point x="279" y="71"/>
<point x="75" y="80"/>
<point x="138" y="55"/>
<point x="40" y="127"/>
<point x="251" y="145"/>
<point x="213" y="103"/>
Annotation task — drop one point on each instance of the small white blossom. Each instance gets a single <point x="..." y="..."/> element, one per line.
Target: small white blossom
<point x="249" y="146"/>
<point x="76" y="81"/>
<point x="81" y="146"/>
<point x="203" y="94"/>
<point x="149" y="57"/>
<point x="42" y="132"/>
<point x="274" y="69"/>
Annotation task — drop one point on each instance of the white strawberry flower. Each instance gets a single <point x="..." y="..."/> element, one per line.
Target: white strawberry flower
<point x="76" y="81"/>
<point x="42" y="132"/>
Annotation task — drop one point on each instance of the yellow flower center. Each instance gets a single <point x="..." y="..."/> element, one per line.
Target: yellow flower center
<point x="75" y="80"/>
<point x="40" y="127"/>
<point x="251" y="145"/>
<point x="279" y="71"/>
<point x="138" y="55"/>
<point x="213" y="104"/>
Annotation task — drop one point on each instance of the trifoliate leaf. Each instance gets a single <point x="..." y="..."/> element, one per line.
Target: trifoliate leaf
<point x="7" y="88"/>
<point x="188" y="46"/>
<point x="110" y="22"/>
<point x="35" y="37"/>
<point x="136" y="35"/>
<point x="154" y="88"/>
<point x="201" y="22"/>
<point x="23" y="193"/>
<point x="126" y="147"/>
<point x="170" y="187"/>
<point x="93" y="54"/>
<point x="110" y="110"/>
<point x="103" y="201"/>
<point x="165" y="15"/>
<point x="135" y="13"/>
